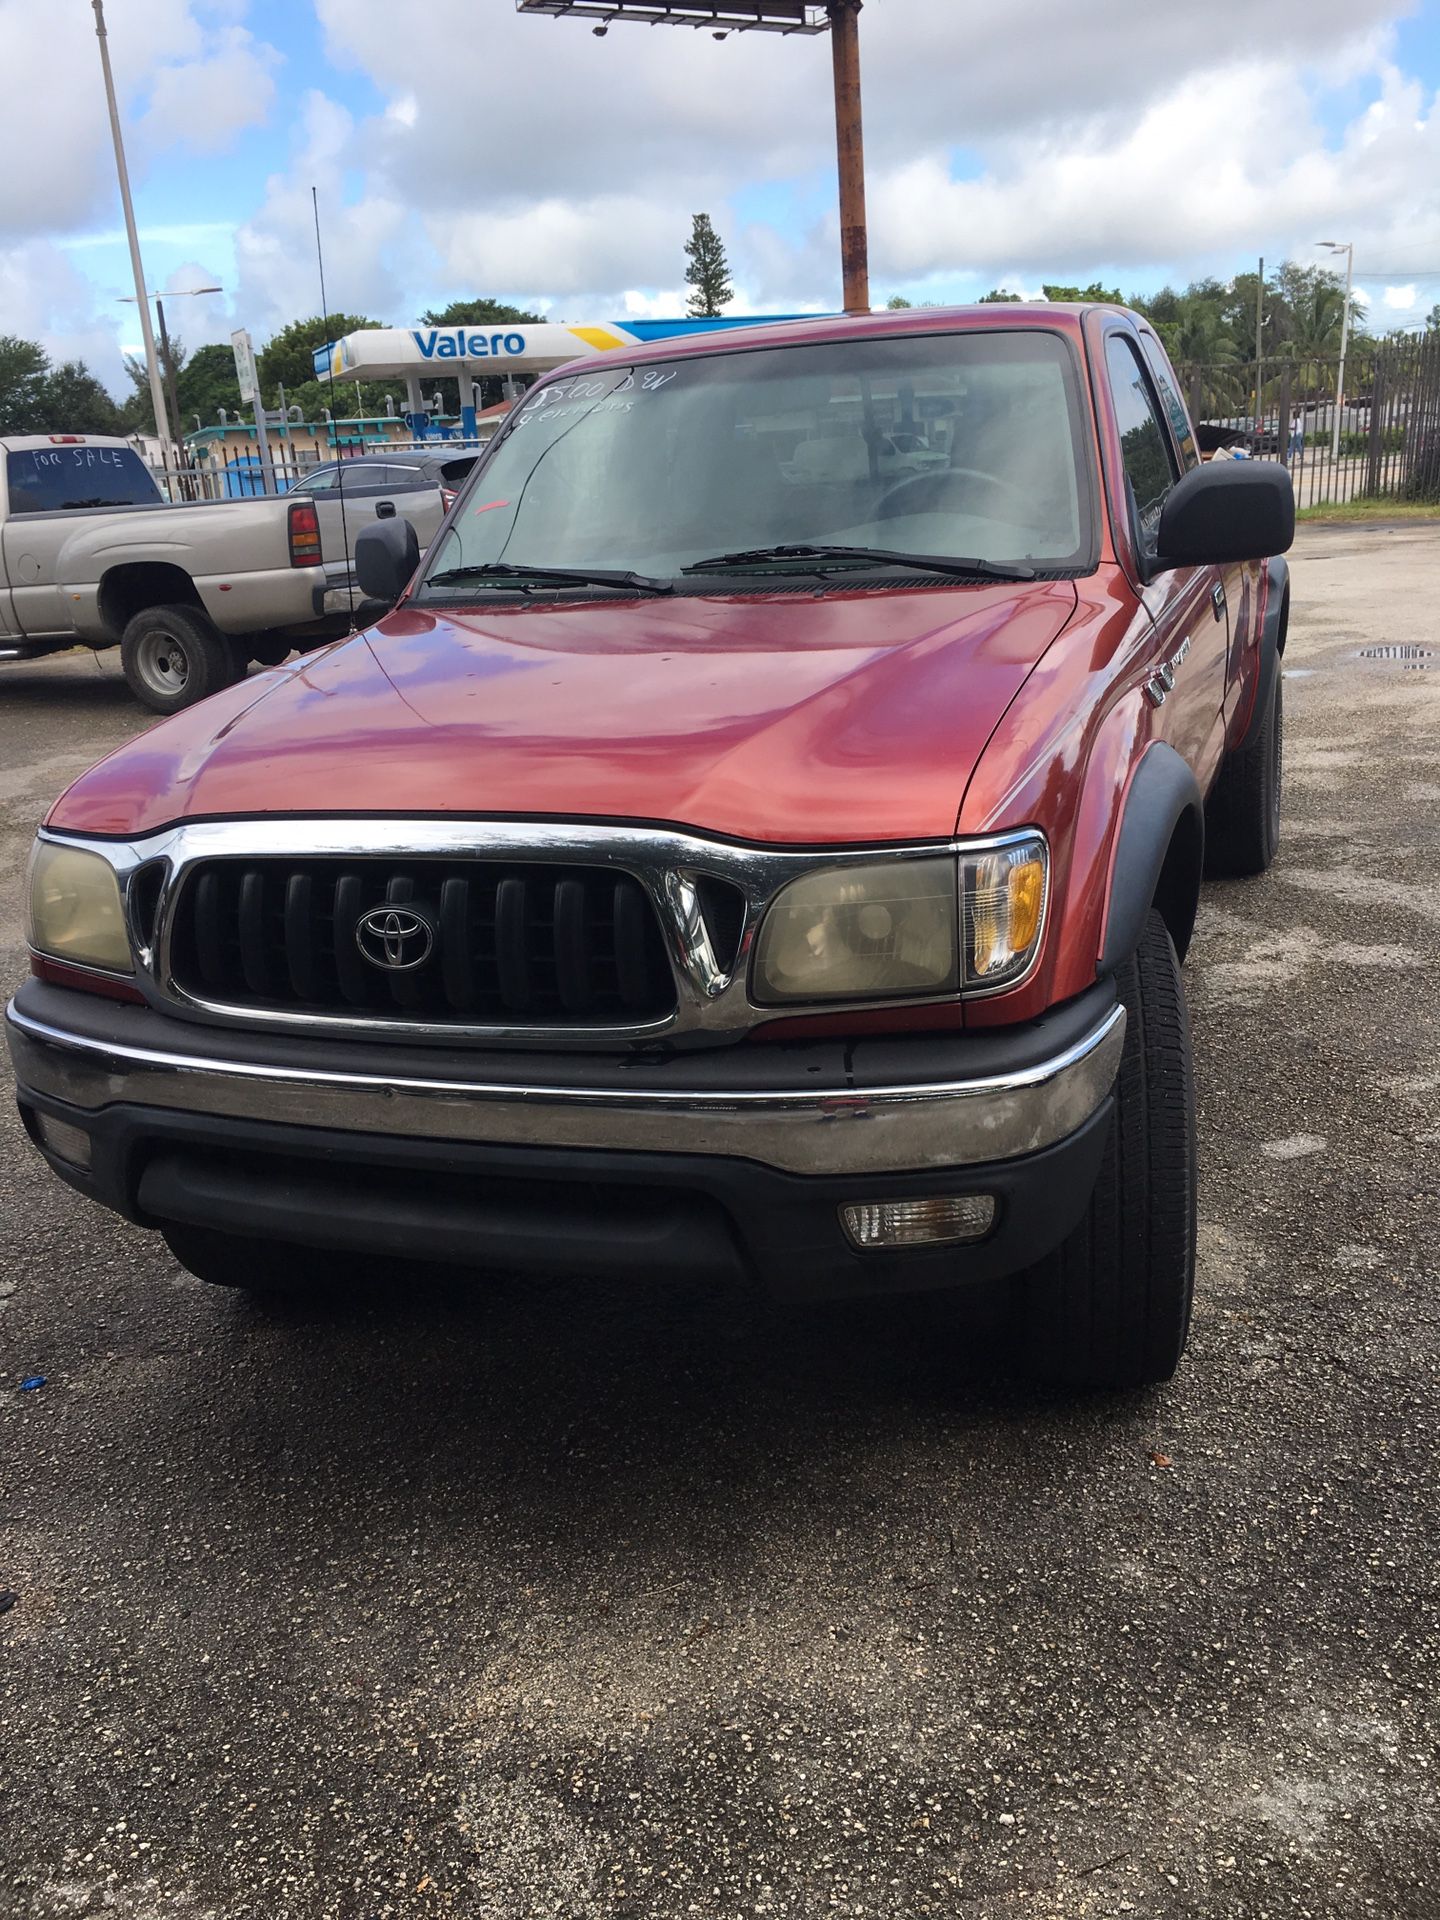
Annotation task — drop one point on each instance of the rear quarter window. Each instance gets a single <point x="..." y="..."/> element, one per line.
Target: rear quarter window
<point x="62" y="479"/>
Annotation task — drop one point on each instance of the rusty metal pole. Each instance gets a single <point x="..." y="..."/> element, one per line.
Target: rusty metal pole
<point x="850" y="150"/>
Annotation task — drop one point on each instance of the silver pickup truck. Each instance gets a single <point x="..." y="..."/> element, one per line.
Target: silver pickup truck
<point x="92" y="555"/>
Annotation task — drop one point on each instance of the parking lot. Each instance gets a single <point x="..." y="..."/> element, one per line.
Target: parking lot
<point x="541" y="1602"/>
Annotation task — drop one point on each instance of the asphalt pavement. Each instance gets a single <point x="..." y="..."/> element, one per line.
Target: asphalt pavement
<point x="544" y="1602"/>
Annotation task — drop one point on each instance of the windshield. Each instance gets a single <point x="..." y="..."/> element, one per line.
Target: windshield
<point x="59" y="479"/>
<point x="960" y="445"/>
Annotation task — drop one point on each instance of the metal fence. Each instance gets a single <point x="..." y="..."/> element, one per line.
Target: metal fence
<point x="241" y="476"/>
<point x="1382" y="441"/>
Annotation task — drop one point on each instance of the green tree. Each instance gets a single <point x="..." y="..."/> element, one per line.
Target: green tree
<point x="1160" y="309"/>
<point x="1202" y="333"/>
<point x="480" y="313"/>
<point x="708" y="273"/>
<point x="1093" y="294"/>
<point x="1317" y="321"/>
<point x="24" y="365"/>
<point x="287" y="359"/>
<point x="996" y="298"/>
<point x="205" y="383"/>
<point x="72" y="400"/>
<point x="137" y="410"/>
<point x="36" y="397"/>
<point x="897" y="303"/>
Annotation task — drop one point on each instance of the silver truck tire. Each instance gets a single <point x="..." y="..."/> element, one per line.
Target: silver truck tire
<point x="173" y="656"/>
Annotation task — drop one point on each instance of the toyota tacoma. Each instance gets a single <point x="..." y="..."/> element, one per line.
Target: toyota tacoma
<point x="763" y="835"/>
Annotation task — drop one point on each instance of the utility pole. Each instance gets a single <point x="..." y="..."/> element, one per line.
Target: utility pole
<point x="838" y="18"/>
<point x="1347" y="247"/>
<point x="1259" y="323"/>
<point x="850" y="152"/>
<point x="147" y="334"/>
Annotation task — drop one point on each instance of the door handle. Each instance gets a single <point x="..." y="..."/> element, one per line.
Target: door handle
<point x="384" y="509"/>
<point x="1217" y="601"/>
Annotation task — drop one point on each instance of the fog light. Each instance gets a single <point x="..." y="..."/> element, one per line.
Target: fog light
<point x="70" y="1144"/>
<point x="942" y="1221"/>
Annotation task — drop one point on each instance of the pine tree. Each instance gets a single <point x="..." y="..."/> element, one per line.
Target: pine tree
<point x="708" y="272"/>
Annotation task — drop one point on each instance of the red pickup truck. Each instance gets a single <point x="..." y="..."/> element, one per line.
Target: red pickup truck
<point x="763" y="835"/>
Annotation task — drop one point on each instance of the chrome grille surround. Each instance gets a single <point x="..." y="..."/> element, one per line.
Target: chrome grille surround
<point x="712" y="1001"/>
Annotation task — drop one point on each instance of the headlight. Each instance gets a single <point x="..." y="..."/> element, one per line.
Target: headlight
<point x="75" y="910"/>
<point x="861" y="933"/>
<point x="902" y="929"/>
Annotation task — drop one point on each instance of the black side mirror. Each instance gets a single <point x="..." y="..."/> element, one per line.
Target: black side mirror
<point x="1229" y="510"/>
<point x="386" y="556"/>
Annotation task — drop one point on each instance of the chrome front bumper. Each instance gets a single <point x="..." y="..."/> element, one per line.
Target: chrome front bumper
<point x="858" y="1124"/>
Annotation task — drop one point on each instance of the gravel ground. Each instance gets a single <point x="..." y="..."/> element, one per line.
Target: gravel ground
<point x="542" y="1603"/>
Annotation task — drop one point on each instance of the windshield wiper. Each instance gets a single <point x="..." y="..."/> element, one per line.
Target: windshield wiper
<point x="580" y="576"/>
<point x="863" y="556"/>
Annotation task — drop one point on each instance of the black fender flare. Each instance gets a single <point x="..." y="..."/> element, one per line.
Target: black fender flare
<point x="1163" y="797"/>
<point x="1272" y="645"/>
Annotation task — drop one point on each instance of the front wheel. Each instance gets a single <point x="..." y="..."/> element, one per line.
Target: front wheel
<point x="1110" y="1307"/>
<point x="173" y="656"/>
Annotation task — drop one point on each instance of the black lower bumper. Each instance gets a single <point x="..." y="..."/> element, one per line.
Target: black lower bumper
<point x="531" y="1209"/>
<point x="150" y="1140"/>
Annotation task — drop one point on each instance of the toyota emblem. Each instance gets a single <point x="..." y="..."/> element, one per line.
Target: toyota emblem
<point x="395" y="939"/>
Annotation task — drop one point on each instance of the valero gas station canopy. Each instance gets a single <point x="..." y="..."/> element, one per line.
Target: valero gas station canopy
<point x="417" y="354"/>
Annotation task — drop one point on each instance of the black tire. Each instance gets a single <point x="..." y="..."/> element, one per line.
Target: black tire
<point x="173" y="656"/>
<point x="254" y="1266"/>
<point x="1111" y="1306"/>
<point x="1242" y="816"/>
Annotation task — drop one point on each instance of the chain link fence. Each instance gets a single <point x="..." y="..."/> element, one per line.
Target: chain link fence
<point x="1381" y="441"/>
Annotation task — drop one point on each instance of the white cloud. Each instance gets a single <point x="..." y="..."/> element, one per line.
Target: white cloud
<point x="44" y="297"/>
<point x="1117" y="133"/>
<point x="54" y="113"/>
<point x="370" y="243"/>
<point x="1208" y="171"/>
<point x="202" y="104"/>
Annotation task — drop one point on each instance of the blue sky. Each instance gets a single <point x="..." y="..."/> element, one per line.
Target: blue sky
<point x="523" y="158"/>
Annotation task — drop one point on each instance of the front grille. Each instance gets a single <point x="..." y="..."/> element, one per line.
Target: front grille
<point x="470" y="941"/>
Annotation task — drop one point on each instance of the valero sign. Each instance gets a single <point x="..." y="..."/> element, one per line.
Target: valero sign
<point x="387" y="353"/>
<point x="457" y="344"/>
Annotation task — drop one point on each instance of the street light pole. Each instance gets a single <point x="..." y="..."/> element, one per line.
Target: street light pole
<point x="1348" y="249"/>
<point x="157" y="397"/>
<point x="850" y="152"/>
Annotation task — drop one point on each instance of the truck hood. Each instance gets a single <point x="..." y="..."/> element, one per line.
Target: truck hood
<point x="788" y="717"/>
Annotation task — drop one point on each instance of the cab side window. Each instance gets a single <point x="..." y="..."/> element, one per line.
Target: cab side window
<point x="1145" y="446"/>
<point x="1170" y="400"/>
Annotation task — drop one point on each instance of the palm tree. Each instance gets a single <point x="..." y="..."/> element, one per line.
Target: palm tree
<point x="1201" y="334"/>
<point x="1316" y="321"/>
